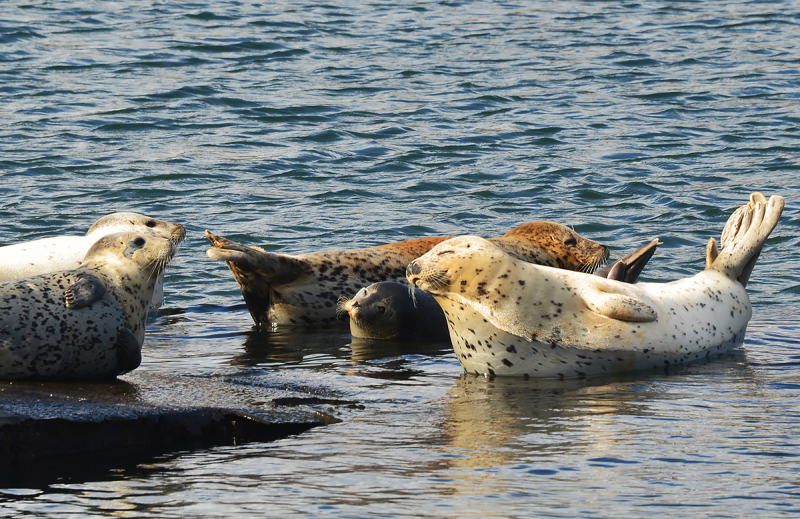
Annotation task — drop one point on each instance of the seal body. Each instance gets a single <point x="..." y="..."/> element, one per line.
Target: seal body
<point x="507" y="317"/>
<point x="304" y="289"/>
<point x="397" y="311"/>
<point x="87" y="322"/>
<point x="391" y="310"/>
<point x="59" y="253"/>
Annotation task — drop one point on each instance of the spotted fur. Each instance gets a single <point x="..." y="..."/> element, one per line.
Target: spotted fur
<point x="87" y="322"/>
<point x="507" y="317"/>
<point x="59" y="253"/>
<point x="304" y="289"/>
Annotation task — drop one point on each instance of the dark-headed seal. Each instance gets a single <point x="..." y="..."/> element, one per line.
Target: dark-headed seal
<point x="59" y="253"/>
<point x="389" y="310"/>
<point x="87" y="322"/>
<point x="507" y="317"/>
<point x="304" y="289"/>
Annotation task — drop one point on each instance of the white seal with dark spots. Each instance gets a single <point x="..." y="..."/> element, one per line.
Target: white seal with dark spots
<point x="304" y="289"/>
<point x="507" y="317"/>
<point x="82" y="323"/>
<point x="59" y="253"/>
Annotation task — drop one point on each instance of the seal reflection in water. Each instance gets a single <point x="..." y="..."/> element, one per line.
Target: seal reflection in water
<point x="47" y="255"/>
<point x="304" y="289"/>
<point x="83" y="323"/>
<point x="391" y="310"/>
<point x="507" y="317"/>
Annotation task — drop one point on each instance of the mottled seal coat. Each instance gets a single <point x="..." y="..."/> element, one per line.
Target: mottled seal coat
<point x="507" y="317"/>
<point x="48" y="255"/>
<point x="390" y="310"/>
<point x="304" y="289"/>
<point x="87" y="322"/>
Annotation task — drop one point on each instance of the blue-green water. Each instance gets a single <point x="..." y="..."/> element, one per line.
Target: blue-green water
<point x="299" y="126"/>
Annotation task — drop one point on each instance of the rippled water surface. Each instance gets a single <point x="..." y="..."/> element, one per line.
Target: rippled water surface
<point x="299" y="126"/>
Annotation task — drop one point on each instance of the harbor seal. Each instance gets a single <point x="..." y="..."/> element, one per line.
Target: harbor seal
<point x="304" y="289"/>
<point x="58" y="253"/>
<point x="391" y="310"/>
<point x="82" y="323"/>
<point x="507" y="317"/>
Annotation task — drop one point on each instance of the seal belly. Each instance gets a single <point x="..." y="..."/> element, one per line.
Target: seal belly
<point x="41" y="338"/>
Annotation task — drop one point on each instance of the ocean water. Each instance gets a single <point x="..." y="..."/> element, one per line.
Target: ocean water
<point x="299" y="126"/>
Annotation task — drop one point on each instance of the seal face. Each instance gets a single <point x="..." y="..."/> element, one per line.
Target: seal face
<point x="304" y="289"/>
<point x="507" y="317"/>
<point x="67" y="252"/>
<point x="391" y="310"/>
<point x="87" y="322"/>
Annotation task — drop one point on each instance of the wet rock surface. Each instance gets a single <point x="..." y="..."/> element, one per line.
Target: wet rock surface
<point x="51" y="430"/>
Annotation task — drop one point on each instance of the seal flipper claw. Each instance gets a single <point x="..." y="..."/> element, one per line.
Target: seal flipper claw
<point x="84" y="291"/>
<point x="129" y="352"/>
<point x="628" y="267"/>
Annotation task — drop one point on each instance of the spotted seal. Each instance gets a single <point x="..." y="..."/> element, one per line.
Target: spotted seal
<point x="58" y="253"/>
<point x="507" y="317"/>
<point x="391" y="310"/>
<point x="87" y="322"/>
<point x="304" y="289"/>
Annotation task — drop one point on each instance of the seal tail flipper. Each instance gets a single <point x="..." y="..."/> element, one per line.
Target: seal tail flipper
<point x="274" y="268"/>
<point x="129" y="352"/>
<point x="628" y="267"/>
<point x="744" y="236"/>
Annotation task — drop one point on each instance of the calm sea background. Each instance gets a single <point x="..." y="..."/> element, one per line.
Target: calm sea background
<point x="299" y="126"/>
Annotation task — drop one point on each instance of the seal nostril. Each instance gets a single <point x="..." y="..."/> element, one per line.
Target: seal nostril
<point x="413" y="269"/>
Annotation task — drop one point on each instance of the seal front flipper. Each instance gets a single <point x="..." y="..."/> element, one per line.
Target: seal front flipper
<point x="129" y="352"/>
<point x="618" y="306"/>
<point x="628" y="267"/>
<point x="85" y="290"/>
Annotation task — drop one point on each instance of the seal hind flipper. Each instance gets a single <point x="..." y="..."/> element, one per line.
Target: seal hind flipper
<point x="744" y="236"/>
<point x="711" y="252"/>
<point x="86" y="289"/>
<point x="619" y="306"/>
<point x="277" y="269"/>
<point x="129" y="352"/>
<point x="628" y="267"/>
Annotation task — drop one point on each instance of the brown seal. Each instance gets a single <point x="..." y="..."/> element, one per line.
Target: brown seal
<point x="304" y="289"/>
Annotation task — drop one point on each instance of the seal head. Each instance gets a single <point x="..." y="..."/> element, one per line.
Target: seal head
<point x="391" y="310"/>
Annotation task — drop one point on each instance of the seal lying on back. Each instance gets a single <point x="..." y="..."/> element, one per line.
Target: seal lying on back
<point x="390" y="310"/>
<point x="48" y="255"/>
<point x="507" y="317"/>
<point x="87" y="322"/>
<point x="304" y="289"/>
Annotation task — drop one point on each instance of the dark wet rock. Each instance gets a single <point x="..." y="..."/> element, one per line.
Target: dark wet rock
<point x="49" y="430"/>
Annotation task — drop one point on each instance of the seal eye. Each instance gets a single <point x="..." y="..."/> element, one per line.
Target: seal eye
<point x="381" y="309"/>
<point x="139" y="242"/>
<point x="151" y="223"/>
<point x="446" y="252"/>
<point x="570" y="241"/>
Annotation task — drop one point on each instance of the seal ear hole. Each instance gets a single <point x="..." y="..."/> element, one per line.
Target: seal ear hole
<point x="571" y="242"/>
